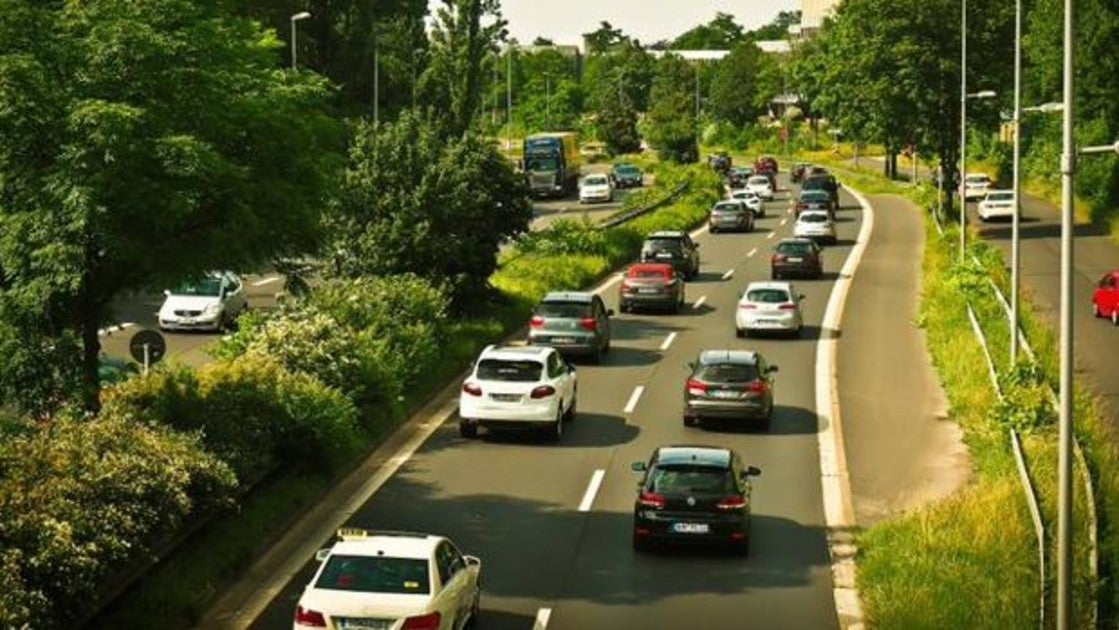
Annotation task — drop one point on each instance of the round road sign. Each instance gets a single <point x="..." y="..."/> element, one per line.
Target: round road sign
<point x="157" y="346"/>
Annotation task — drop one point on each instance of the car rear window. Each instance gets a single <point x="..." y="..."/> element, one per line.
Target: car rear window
<point x="1000" y="196"/>
<point x="727" y="207"/>
<point x="814" y="195"/>
<point x="690" y="479"/>
<point x="510" y="370"/>
<point x="671" y="244"/>
<point x="727" y="372"/>
<point x="574" y="310"/>
<point x="595" y="180"/>
<point x="793" y="248"/>
<point x="768" y="296"/>
<point x="375" y="574"/>
<point x="759" y="180"/>
<point x="813" y="217"/>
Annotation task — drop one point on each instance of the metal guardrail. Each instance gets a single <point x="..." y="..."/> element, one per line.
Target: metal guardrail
<point x="636" y="212"/>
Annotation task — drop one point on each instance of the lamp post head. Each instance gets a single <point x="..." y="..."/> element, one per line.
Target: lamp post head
<point x="983" y="94"/>
<point x="302" y="15"/>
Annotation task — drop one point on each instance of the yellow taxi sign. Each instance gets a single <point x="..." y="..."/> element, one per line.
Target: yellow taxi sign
<point x="351" y="533"/>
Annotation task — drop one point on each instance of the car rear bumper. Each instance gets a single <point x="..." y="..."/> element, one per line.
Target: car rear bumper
<point x="580" y="345"/>
<point x="476" y="409"/>
<point x="650" y="526"/>
<point x="766" y="321"/>
<point x="750" y="409"/>
<point x="798" y="269"/>
<point x="729" y="224"/>
<point x="662" y="300"/>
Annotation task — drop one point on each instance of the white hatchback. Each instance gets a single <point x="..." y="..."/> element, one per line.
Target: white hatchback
<point x="997" y="204"/>
<point x="769" y="307"/>
<point x="391" y="580"/>
<point x="751" y="199"/>
<point x="816" y="225"/>
<point x="760" y="186"/>
<point x="518" y="387"/>
<point x="211" y="302"/>
<point x="976" y="185"/>
<point x="595" y="188"/>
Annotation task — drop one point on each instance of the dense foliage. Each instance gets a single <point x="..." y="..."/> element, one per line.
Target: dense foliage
<point x="671" y="126"/>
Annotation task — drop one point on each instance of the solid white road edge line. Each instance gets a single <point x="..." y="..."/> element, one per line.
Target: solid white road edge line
<point x="839" y="512"/>
<point x="729" y="274"/>
<point x="542" y="617"/>
<point x="633" y="398"/>
<point x="700" y="301"/>
<point x="270" y="280"/>
<point x="112" y="329"/>
<point x="592" y="490"/>
<point x="668" y="341"/>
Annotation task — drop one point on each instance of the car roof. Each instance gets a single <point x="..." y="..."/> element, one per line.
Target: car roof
<point x="804" y="213"/>
<point x="796" y="239"/>
<point x="515" y="353"/>
<point x="580" y="297"/>
<point x="743" y="357"/>
<point x="649" y="267"/>
<point x="766" y="284"/>
<point x="386" y="543"/>
<point x="688" y="454"/>
<point x="666" y="234"/>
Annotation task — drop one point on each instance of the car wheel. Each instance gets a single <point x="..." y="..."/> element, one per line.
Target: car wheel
<point x="623" y="307"/>
<point x="1096" y="310"/>
<point x="688" y="420"/>
<point x="713" y="230"/>
<point x="775" y="276"/>
<point x="596" y="356"/>
<point x="467" y="429"/>
<point x="556" y="430"/>
<point x="570" y="415"/>
<point x="1115" y="316"/>
<point x="606" y="347"/>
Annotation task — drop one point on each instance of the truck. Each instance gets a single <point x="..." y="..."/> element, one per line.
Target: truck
<point x="551" y="163"/>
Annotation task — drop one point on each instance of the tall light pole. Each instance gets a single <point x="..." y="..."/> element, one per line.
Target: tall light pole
<point x="1014" y="235"/>
<point x="302" y="15"/>
<point x="376" y="80"/>
<point x="509" y="98"/>
<point x="548" y="100"/>
<point x="963" y="125"/>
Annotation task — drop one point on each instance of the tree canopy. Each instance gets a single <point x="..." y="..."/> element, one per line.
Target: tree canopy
<point x="671" y="122"/>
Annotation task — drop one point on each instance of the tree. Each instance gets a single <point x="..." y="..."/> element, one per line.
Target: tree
<point x="461" y="42"/>
<point x="778" y="27"/>
<point x="721" y="33"/>
<point x="734" y="88"/>
<point x="628" y="64"/>
<point x="671" y="123"/>
<point x="617" y="123"/>
<point x="604" y="39"/>
<point x="417" y="199"/>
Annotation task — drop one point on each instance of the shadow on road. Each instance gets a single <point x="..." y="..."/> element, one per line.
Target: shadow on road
<point x="786" y="421"/>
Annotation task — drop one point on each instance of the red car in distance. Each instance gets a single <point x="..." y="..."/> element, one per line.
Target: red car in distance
<point x="651" y="285"/>
<point x="1105" y="301"/>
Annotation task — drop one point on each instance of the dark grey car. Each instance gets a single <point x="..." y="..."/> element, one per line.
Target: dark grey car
<point x="575" y="323"/>
<point x="729" y="384"/>
<point x="675" y="248"/>
<point x="730" y="215"/>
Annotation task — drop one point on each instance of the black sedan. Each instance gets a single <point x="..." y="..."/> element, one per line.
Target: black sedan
<point x="627" y="176"/>
<point x="693" y="494"/>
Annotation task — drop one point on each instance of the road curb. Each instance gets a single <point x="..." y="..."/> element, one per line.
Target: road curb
<point x="839" y="512"/>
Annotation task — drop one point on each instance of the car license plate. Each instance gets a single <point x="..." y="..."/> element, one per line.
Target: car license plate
<point x="724" y="393"/>
<point x="364" y="624"/>
<point x="691" y="528"/>
<point x="664" y="254"/>
<point x="506" y="397"/>
<point x="648" y="290"/>
<point x="563" y="340"/>
<point x="796" y="260"/>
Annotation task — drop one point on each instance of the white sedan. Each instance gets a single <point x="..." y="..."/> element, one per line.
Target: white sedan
<point x="976" y="185"/>
<point x="389" y="581"/>
<point x="997" y="204"/>
<point x="760" y="186"/>
<point x="751" y="199"/>
<point x="211" y="302"/>
<point x="595" y="188"/>
<point x="769" y="307"/>
<point x="815" y="224"/>
<point x="518" y="387"/>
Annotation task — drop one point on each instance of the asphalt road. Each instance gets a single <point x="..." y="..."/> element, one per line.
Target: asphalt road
<point x="513" y="500"/>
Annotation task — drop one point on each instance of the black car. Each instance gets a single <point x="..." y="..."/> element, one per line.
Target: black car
<point x="693" y="494"/>
<point x="719" y="162"/>
<point x="675" y="248"/>
<point x="823" y="182"/>
<point x="737" y="176"/>
<point x="796" y="256"/>
<point x="798" y="171"/>
<point x="730" y="215"/>
<point x="729" y="384"/>
<point x="627" y="176"/>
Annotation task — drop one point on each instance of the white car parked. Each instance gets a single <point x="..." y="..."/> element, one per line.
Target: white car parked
<point x="751" y="199"/>
<point x="371" y="579"/>
<point x="997" y="204"/>
<point x="211" y="302"/>
<point x="816" y="225"/>
<point x="596" y="187"/>
<point x="760" y="186"/>
<point x="976" y="185"/>
<point x="518" y="387"/>
<point x="769" y="307"/>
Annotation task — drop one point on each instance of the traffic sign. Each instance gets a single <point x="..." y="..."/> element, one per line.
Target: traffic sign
<point x="147" y="347"/>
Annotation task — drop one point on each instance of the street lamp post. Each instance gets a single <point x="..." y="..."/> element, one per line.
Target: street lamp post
<point x="548" y="100"/>
<point x="1014" y="234"/>
<point x="1064" y="459"/>
<point x="302" y="15"/>
<point x="963" y="162"/>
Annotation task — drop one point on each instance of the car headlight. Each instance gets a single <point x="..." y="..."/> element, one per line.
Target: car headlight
<point x="212" y="310"/>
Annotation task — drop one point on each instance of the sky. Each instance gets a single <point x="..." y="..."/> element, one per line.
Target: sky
<point x="648" y="20"/>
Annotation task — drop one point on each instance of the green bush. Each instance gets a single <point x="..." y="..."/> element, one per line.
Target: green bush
<point x="80" y="498"/>
<point x="1026" y="404"/>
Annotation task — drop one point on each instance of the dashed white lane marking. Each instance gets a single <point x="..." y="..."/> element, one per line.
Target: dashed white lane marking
<point x="728" y="274"/>
<point x="112" y="329"/>
<point x="700" y="301"/>
<point x="270" y="280"/>
<point x="542" y="617"/>
<point x="784" y="221"/>
<point x="633" y="398"/>
<point x="592" y="490"/>
<point x="752" y="252"/>
<point x="668" y="341"/>
<point x="771" y="235"/>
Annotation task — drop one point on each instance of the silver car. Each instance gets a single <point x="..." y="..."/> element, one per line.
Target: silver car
<point x="730" y="215"/>
<point x="769" y="307"/>
<point x="573" y="322"/>
<point x="816" y="225"/>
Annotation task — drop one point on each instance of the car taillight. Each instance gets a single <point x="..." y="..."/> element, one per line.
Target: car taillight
<point x="747" y="306"/>
<point x="588" y="323"/>
<point x="542" y="392"/>
<point x="755" y="386"/>
<point x="429" y="621"/>
<point x="779" y="257"/>
<point x="627" y="286"/>
<point x="788" y="307"/>
<point x="696" y="388"/>
<point x="735" y="502"/>
<point x="650" y="500"/>
<point x="309" y="618"/>
<point x="472" y="388"/>
<point x="536" y="321"/>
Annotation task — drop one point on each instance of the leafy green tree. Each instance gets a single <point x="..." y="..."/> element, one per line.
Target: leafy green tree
<point x="617" y="123"/>
<point x="671" y="122"/>
<point x="466" y="34"/>
<point x="777" y="28"/>
<point x="721" y="33"/>
<point x="140" y="142"/>
<point x="604" y="39"/>
<point x="734" y="88"/>
<point x="416" y="199"/>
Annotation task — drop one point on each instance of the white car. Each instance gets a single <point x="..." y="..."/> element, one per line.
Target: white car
<point x="760" y="186"/>
<point x="976" y="185"/>
<point x="769" y="307"/>
<point x="595" y="188"/>
<point x="751" y="199"/>
<point x="815" y="224"/>
<point x="518" y="387"/>
<point x="391" y="580"/>
<point x="997" y="204"/>
<point x="211" y="302"/>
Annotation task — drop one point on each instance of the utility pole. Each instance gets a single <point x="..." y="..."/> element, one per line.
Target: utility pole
<point x="376" y="81"/>
<point x="963" y="127"/>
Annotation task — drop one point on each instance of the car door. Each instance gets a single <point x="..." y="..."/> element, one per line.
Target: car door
<point x="767" y="377"/>
<point x="562" y="379"/>
<point x="233" y="295"/>
<point x="449" y="600"/>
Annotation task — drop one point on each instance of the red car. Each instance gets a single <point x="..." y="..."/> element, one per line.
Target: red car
<point x="1105" y="301"/>
<point x="651" y="285"/>
<point x="767" y="165"/>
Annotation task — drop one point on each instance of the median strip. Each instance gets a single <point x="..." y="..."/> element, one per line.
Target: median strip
<point x="633" y="398"/>
<point x="668" y="341"/>
<point x="592" y="490"/>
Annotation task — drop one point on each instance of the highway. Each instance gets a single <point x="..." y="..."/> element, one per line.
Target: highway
<point x="556" y="549"/>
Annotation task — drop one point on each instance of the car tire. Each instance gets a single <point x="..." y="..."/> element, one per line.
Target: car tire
<point x="596" y="356"/>
<point x="467" y="429"/>
<point x="623" y="307"/>
<point x="569" y="416"/>
<point x="774" y="275"/>
<point x="740" y="333"/>
<point x="1096" y="310"/>
<point x="1115" y="317"/>
<point x="555" y="431"/>
<point x="606" y="347"/>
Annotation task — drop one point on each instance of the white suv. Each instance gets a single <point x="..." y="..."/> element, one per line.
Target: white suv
<point x="596" y="187"/>
<point x="518" y="387"/>
<point x="760" y="186"/>
<point x="372" y="579"/>
<point x="769" y="307"/>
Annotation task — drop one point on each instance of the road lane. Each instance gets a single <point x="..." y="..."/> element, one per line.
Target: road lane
<point x="514" y="500"/>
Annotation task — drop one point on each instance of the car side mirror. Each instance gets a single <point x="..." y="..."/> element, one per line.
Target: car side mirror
<point x="167" y="292"/>
<point x="472" y="561"/>
<point x="321" y="555"/>
<point x="753" y="471"/>
<point x="638" y="467"/>
<point x="570" y="367"/>
<point x="773" y="368"/>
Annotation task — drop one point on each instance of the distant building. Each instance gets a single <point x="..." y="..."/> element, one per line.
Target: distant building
<point x="692" y="55"/>
<point x="812" y="15"/>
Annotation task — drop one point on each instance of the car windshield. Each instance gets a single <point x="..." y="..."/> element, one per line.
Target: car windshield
<point x="207" y="287"/>
<point x="1000" y="196"/>
<point x="625" y="169"/>
<point x="813" y="217"/>
<point x="564" y="309"/>
<point x="726" y="372"/>
<point x="813" y="195"/>
<point x="375" y="574"/>
<point x="768" y="296"/>
<point x="510" y="370"/>
<point x="541" y="164"/>
<point x="595" y="180"/>
<point x="690" y="479"/>
<point x="743" y="194"/>
<point x="663" y="244"/>
<point x="794" y="248"/>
